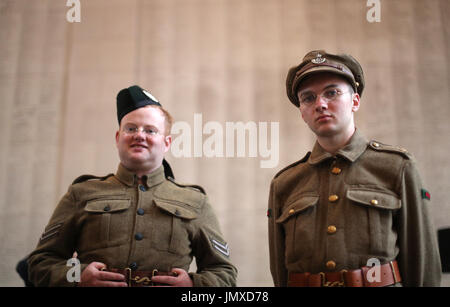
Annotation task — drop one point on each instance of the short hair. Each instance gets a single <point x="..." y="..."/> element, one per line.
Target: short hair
<point x="168" y="118"/>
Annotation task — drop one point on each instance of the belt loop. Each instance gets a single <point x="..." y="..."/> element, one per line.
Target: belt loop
<point x="394" y="273"/>
<point x="153" y="274"/>
<point x="128" y="270"/>
<point x="343" y="279"/>
<point x="322" y="279"/>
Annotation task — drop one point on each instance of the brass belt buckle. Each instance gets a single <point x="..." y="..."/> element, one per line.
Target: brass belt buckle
<point x="137" y="279"/>
<point x="325" y="283"/>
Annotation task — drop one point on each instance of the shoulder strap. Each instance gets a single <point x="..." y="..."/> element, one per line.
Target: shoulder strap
<point x="302" y="160"/>
<point x="193" y="186"/>
<point x="83" y="178"/>
<point x="378" y="146"/>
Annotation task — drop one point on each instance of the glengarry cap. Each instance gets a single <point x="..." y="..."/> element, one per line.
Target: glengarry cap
<point x="132" y="98"/>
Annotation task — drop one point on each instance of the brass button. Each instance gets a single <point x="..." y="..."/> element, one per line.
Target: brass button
<point x="331" y="265"/>
<point x="336" y="170"/>
<point x="374" y="202"/>
<point x="291" y="211"/>
<point x="333" y="198"/>
<point x="331" y="229"/>
<point x="375" y="144"/>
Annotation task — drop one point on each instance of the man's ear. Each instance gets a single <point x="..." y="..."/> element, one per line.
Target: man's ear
<point x="167" y="142"/>
<point x="356" y="102"/>
<point x="117" y="137"/>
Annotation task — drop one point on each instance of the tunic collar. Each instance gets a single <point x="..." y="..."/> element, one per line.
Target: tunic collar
<point x="356" y="146"/>
<point x="130" y="179"/>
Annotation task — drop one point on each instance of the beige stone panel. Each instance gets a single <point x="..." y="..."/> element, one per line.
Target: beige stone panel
<point x="90" y="126"/>
<point x="101" y="64"/>
<point x="226" y="60"/>
<point x="240" y="107"/>
<point x="295" y="137"/>
<point x="268" y="90"/>
<point x="29" y="144"/>
<point x="432" y="67"/>
<point x="212" y="104"/>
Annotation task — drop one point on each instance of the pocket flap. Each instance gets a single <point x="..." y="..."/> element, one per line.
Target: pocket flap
<point x="374" y="198"/>
<point x="107" y="205"/>
<point x="297" y="206"/>
<point x="176" y="209"/>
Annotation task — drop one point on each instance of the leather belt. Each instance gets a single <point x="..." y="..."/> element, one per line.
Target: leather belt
<point x="141" y="278"/>
<point x="389" y="274"/>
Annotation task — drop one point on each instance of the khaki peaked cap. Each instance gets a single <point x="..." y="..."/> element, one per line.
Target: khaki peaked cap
<point x="318" y="61"/>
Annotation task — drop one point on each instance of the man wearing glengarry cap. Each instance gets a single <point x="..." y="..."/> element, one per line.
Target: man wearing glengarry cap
<point x="137" y="227"/>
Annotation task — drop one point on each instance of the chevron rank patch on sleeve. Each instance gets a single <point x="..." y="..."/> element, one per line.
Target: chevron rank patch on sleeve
<point x="221" y="247"/>
<point x="50" y="231"/>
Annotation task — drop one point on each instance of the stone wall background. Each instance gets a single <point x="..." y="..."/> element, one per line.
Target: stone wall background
<point x="224" y="59"/>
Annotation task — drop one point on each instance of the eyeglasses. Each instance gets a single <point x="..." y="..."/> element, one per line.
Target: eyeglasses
<point x="330" y="94"/>
<point x="130" y="129"/>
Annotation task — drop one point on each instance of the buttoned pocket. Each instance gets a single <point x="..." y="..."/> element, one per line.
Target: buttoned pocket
<point x="298" y="219"/>
<point x="106" y="223"/>
<point x="372" y="218"/>
<point x="379" y="199"/>
<point x="107" y="205"/>
<point x="170" y="226"/>
<point x="176" y="209"/>
<point x="302" y="203"/>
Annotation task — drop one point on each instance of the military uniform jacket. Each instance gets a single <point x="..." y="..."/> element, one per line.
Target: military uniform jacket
<point x="333" y="212"/>
<point x="155" y="225"/>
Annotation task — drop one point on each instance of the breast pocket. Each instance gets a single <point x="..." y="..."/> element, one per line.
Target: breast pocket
<point x="170" y="227"/>
<point x="107" y="223"/>
<point x="298" y="219"/>
<point x="374" y="220"/>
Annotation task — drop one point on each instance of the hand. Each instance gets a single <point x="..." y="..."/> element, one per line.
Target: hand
<point x="92" y="276"/>
<point x="181" y="280"/>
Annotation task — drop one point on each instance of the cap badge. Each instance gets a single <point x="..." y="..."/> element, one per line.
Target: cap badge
<point x="318" y="60"/>
<point x="150" y="95"/>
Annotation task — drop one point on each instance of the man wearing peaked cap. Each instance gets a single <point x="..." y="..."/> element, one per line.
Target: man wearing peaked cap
<point x="349" y="203"/>
<point x="137" y="227"/>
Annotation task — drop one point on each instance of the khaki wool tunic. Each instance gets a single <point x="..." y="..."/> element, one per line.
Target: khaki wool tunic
<point x="157" y="225"/>
<point x="333" y="212"/>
